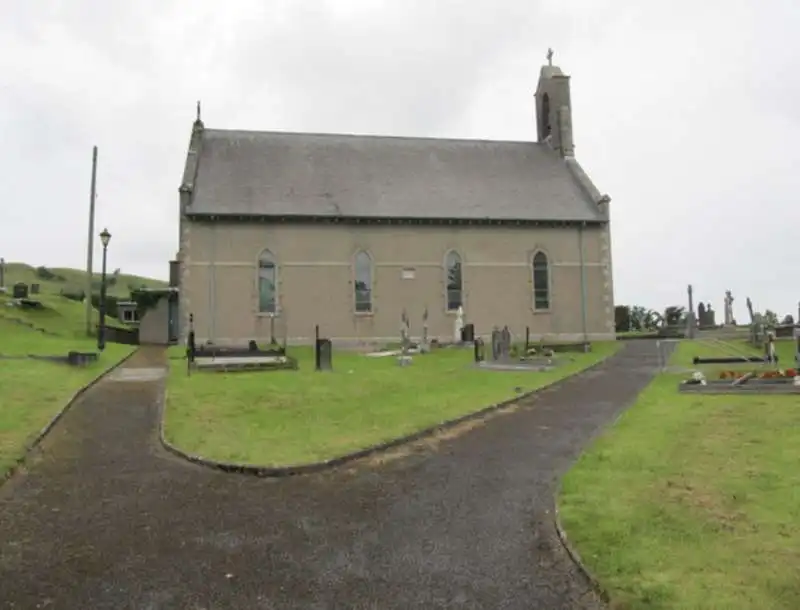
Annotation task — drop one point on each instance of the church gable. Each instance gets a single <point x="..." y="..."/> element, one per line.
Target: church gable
<point x="252" y="174"/>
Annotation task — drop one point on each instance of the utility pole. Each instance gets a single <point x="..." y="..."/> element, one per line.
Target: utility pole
<point x="690" y="318"/>
<point x="90" y="245"/>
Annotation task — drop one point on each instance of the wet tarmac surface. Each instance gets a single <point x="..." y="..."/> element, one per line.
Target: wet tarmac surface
<point x="104" y="518"/>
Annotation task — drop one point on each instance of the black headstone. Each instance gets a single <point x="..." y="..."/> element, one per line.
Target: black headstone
<point x="324" y="355"/>
<point x="480" y="348"/>
<point x="35" y="288"/>
<point x="20" y="291"/>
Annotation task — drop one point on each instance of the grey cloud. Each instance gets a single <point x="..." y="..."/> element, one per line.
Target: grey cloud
<point x="686" y="113"/>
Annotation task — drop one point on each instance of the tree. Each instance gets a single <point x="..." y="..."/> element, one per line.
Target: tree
<point x="653" y="320"/>
<point x="770" y="318"/>
<point x="788" y="319"/>
<point x="622" y="318"/>
<point x="674" y="315"/>
<point x="639" y="318"/>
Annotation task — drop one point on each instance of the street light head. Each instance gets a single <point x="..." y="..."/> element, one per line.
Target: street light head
<point x="105" y="237"/>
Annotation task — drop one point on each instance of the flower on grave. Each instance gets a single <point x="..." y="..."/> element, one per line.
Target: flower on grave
<point x="791" y="373"/>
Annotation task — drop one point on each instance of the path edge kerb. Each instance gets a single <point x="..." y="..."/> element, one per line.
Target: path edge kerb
<point x="315" y="467"/>
<point x="573" y="553"/>
<point x="31" y="445"/>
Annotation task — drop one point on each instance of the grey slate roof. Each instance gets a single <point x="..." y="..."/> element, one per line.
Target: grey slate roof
<point x="247" y="173"/>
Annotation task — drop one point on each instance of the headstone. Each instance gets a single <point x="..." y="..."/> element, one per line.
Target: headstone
<point x="480" y="354"/>
<point x="458" y="324"/>
<point x="324" y="357"/>
<point x="191" y="346"/>
<point x="35" y="288"/>
<point x="20" y="291"/>
<point x="424" y="345"/>
<point x="505" y="337"/>
<point x="728" y="308"/>
<point x="797" y="341"/>
<point x="468" y="333"/>
<point x="496" y="344"/>
<point x="501" y="345"/>
<point x="710" y="316"/>
<point x="404" y="359"/>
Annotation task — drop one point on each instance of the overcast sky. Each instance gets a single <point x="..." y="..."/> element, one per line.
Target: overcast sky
<point x="686" y="112"/>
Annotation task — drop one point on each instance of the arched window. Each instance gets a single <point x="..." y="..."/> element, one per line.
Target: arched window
<point x="545" y="118"/>
<point x="363" y="282"/>
<point x="454" y="280"/>
<point x="267" y="283"/>
<point x="541" y="281"/>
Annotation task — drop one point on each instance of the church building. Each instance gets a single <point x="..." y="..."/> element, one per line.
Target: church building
<point x="294" y="230"/>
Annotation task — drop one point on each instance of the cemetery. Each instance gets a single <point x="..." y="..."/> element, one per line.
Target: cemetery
<point x="762" y="347"/>
<point x="213" y="358"/>
<point x="691" y="491"/>
<point x="334" y="401"/>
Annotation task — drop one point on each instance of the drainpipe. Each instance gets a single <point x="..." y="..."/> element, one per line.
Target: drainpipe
<point x="583" y="282"/>
<point x="212" y="285"/>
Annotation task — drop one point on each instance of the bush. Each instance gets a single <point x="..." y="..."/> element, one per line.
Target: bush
<point x="45" y="273"/>
<point x="111" y="304"/>
<point x="73" y="295"/>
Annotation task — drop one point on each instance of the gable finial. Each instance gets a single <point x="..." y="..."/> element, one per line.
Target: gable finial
<point x="198" y="110"/>
<point x="549" y="57"/>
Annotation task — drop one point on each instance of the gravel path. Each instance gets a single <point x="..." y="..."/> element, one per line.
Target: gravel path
<point x="103" y="518"/>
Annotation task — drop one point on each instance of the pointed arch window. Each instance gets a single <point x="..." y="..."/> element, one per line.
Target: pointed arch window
<point x="545" y="116"/>
<point x="455" y="282"/>
<point x="267" y="283"/>
<point x="363" y="282"/>
<point x="541" y="281"/>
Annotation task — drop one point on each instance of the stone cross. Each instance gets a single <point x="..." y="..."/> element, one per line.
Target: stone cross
<point x="770" y="348"/>
<point x="424" y="343"/>
<point x="404" y="330"/>
<point x="404" y="359"/>
<point x="198" y="110"/>
<point x="549" y="57"/>
<point x="728" y="308"/>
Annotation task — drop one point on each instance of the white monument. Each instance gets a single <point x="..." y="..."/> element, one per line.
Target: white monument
<point x="458" y="324"/>
<point x="728" y="308"/>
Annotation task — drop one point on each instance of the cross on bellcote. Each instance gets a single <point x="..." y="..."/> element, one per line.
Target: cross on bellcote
<point x="549" y="57"/>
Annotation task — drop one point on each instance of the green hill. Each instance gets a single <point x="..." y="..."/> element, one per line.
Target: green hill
<point x="55" y="280"/>
<point x="57" y="314"/>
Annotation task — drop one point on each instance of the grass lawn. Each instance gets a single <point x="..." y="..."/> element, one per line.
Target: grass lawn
<point x="283" y="418"/>
<point x="34" y="391"/>
<point x="692" y="501"/>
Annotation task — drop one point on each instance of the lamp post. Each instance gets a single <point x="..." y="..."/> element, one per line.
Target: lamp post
<point x="105" y="237"/>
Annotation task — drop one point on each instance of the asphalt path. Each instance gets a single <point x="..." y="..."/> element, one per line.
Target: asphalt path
<point x="104" y="518"/>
